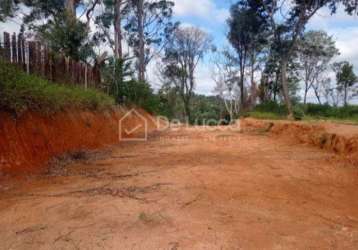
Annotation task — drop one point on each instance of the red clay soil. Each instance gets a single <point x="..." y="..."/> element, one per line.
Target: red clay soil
<point x="29" y="142"/>
<point x="189" y="189"/>
<point x="339" y="138"/>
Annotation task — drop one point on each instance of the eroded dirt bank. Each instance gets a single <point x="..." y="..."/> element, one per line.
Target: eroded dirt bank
<point x="338" y="138"/>
<point x="28" y="142"/>
<point x="189" y="189"/>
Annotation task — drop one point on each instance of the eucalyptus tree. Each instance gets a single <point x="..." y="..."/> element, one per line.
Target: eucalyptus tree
<point x="183" y="53"/>
<point x="112" y="18"/>
<point x="225" y="75"/>
<point x="346" y="79"/>
<point x="315" y="51"/>
<point x="148" y="24"/>
<point x="248" y="29"/>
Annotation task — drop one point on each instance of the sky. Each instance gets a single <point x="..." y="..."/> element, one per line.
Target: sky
<point x="211" y="16"/>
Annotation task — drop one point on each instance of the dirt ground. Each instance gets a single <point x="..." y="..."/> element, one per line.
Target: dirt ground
<point x="188" y="189"/>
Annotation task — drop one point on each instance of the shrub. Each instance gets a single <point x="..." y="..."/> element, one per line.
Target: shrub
<point x="265" y="115"/>
<point x="271" y="107"/>
<point x="20" y="92"/>
<point x="270" y="110"/>
<point x="140" y="94"/>
<point x="318" y="110"/>
<point x="326" y="111"/>
<point x="298" y="113"/>
<point x="125" y="89"/>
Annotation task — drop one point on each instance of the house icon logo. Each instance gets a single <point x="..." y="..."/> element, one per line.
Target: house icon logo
<point x="133" y="126"/>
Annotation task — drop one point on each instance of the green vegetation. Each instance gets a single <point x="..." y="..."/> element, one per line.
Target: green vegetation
<point x="125" y="89"/>
<point x="275" y="111"/>
<point x="204" y="109"/>
<point x="20" y="92"/>
<point x="298" y="113"/>
<point x="265" y="115"/>
<point x="140" y="94"/>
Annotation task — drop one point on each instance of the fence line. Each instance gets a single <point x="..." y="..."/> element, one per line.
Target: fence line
<point x="36" y="58"/>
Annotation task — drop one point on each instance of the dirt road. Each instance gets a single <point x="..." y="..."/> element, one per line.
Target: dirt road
<point x="188" y="189"/>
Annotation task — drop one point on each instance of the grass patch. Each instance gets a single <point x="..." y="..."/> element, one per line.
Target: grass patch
<point x="308" y="112"/>
<point x="351" y="121"/>
<point x="20" y="92"/>
<point x="266" y="115"/>
<point x="307" y="118"/>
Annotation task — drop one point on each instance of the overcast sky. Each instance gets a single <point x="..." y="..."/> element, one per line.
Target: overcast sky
<point x="211" y="16"/>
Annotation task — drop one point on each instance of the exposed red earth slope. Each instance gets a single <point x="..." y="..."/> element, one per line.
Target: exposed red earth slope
<point x="29" y="142"/>
<point x="339" y="138"/>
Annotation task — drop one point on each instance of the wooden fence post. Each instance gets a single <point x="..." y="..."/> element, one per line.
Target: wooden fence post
<point x="23" y="52"/>
<point x="32" y="57"/>
<point x="86" y="77"/>
<point x="14" y="58"/>
<point x="39" y="62"/>
<point x="20" y="60"/>
<point x="7" y="48"/>
<point x="1" y="49"/>
<point x="52" y="67"/>
<point x="47" y="64"/>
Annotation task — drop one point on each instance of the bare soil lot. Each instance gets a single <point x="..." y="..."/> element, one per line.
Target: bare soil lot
<point x="188" y="189"/>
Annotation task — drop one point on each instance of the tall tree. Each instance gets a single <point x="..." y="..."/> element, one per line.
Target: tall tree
<point x="71" y="6"/>
<point x="288" y="28"/>
<point x="182" y="55"/>
<point x="148" y="25"/>
<point x="247" y="28"/>
<point x="316" y="50"/>
<point x="346" y="79"/>
<point x="113" y="17"/>
<point x="118" y="36"/>
<point x="225" y="75"/>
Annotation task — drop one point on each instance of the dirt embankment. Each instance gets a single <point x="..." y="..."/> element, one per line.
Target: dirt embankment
<point x="29" y="142"/>
<point x="341" y="139"/>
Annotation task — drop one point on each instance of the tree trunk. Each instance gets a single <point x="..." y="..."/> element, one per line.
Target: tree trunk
<point x="141" y="45"/>
<point x="306" y="92"/>
<point x="187" y="110"/>
<point x="242" y="94"/>
<point x="118" y="30"/>
<point x="253" y="84"/>
<point x="70" y="7"/>
<point x="242" y="86"/>
<point x="285" y="89"/>
<point x="345" y="95"/>
<point x="275" y="89"/>
<point x="317" y="95"/>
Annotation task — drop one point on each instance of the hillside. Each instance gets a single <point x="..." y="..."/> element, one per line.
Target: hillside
<point x="40" y="120"/>
<point x="20" y="92"/>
